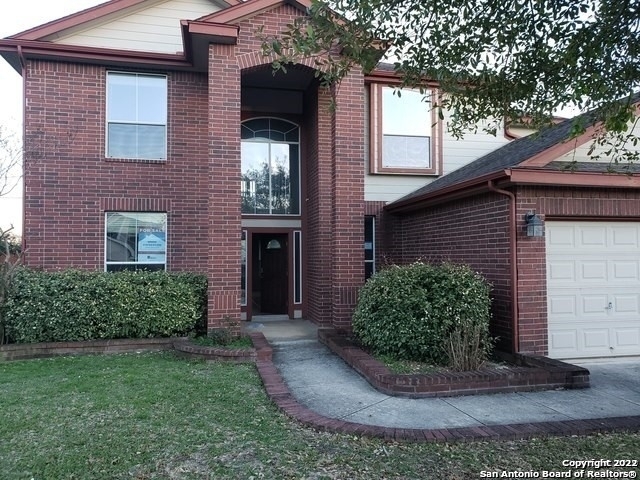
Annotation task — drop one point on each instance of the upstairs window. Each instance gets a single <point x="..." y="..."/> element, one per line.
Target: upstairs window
<point x="403" y="131"/>
<point x="136" y="116"/>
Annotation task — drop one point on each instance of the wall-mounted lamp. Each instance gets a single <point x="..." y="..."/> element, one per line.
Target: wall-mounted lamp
<point x="535" y="226"/>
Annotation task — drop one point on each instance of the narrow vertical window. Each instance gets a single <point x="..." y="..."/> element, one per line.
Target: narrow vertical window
<point x="243" y="268"/>
<point x="369" y="246"/>
<point x="297" y="267"/>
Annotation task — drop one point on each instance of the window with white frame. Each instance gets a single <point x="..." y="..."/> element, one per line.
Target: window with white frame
<point x="135" y="241"/>
<point x="403" y="131"/>
<point x="136" y="116"/>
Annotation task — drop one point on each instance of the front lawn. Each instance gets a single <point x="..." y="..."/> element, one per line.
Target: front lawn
<point x="148" y="416"/>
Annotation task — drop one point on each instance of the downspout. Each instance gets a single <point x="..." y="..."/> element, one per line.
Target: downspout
<point x="514" y="265"/>
<point x="23" y="66"/>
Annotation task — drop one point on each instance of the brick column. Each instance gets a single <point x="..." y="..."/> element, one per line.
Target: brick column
<point x="318" y="207"/>
<point x="347" y="188"/>
<point x="224" y="217"/>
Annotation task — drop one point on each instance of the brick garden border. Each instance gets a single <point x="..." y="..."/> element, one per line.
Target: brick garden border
<point x="279" y="393"/>
<point x="181" y="346"/>
<point x="26" y="351"/>
<point x="527" y="373"/>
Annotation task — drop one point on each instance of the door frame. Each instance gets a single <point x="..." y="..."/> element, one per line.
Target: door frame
<point x="289" y="232"/>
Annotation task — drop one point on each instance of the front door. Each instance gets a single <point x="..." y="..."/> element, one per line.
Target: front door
<point x="270" y="268"/>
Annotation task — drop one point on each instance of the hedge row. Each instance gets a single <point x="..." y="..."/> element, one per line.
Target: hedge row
<point x="76" y="305"/>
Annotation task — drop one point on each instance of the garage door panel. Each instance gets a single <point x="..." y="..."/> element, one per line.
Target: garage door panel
<point x="593" y="270"/>
<point x="564" y="342"/>
<point x="623" y="236"/>
<point x="561" y="271"/>
<point x="594" y="305"/>
<point x="593" y="288"/>
<point x="561" y="236"/>
<point x="563" y="305"/>
<point x="626" y="338"/>
<point x="625" y="270"/>
<point x="595" y="338"/>
<point x="625" y="304"/>
<point x="591" y="236"/>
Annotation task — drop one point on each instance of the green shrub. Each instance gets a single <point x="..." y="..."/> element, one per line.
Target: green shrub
<point x="415" y="312"/>
<point x="78" y="305"/>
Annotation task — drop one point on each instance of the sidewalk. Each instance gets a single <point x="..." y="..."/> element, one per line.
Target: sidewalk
<point x="320" y="382"/>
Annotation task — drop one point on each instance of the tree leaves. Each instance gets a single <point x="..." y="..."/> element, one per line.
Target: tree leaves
<point x="494" y="59"/>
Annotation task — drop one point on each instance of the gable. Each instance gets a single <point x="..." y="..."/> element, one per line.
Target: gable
<point x="150" y="27"/>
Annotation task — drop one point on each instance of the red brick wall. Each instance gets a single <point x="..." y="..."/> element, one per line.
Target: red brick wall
<point x="473" y="230"/>
<point x="69" y="184"/>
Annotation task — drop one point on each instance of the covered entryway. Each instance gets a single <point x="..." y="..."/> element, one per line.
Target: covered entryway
<point x="593" y="288"/>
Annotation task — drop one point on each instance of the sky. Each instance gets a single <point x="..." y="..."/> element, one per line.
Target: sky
<point x="23" y="15"/>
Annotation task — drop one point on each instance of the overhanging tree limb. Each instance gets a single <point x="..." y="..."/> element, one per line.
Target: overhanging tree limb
<point x="493" y="59"/>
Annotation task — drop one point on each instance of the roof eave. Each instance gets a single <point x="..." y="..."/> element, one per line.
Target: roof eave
<point x="457" y="190"/>
<point x="529" y="176"/>
<point x="73" y="53"/>
<point x="515" y="176"/>
<point x="244" y="10"/>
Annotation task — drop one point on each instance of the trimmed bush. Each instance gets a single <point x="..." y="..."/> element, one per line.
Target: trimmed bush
<point x="76" y="305"/>
<point x="423" y="312"/>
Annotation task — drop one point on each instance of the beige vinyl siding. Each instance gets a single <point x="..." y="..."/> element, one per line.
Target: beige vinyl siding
<point x="155" y="28"/>
<point x="387" y="188"/>
<point x="458" y="152"/>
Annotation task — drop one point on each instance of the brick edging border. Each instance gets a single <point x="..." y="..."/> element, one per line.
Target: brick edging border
<point x="527" y="373"/>
<point x="28" y="351"/>
<point x="181" y="345"/>
<point x="280" y="394"/>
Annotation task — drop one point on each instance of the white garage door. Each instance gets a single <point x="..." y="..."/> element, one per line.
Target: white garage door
<point x="593" y="288"/>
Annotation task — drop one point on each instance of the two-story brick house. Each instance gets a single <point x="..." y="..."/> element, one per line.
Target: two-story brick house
<point x="157" y="136"/>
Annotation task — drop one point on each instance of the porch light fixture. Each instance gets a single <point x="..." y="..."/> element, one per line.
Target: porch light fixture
<point x="534" y="225"/>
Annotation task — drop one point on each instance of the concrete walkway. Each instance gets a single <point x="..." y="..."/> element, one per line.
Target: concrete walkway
<point x="321" y="382"/>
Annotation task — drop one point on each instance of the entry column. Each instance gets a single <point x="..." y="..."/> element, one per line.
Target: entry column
<point x="348" y="198"/>
<point x="224" y="218"/>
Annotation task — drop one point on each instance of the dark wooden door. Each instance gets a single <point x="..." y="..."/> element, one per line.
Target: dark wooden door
<point x="274" y="291"/>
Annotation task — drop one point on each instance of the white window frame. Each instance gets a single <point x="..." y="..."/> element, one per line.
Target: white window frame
<point x="108" y="121"/>
<point x="136" y="264"/>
